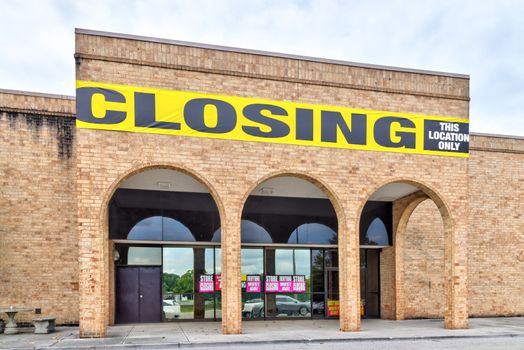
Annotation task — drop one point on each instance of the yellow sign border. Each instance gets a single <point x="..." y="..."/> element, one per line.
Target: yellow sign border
<point x="167" y="111"/>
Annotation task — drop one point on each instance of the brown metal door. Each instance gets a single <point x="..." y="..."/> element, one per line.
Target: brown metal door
<point x="150" y="298"/>
<point x="127" y="292"/>
<point x="138" y="294"/>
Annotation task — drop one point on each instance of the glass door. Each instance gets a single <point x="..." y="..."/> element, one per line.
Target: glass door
<point x="178" y="283"/>
<point x="370" y="282"/>
<point x="331" y="283"/>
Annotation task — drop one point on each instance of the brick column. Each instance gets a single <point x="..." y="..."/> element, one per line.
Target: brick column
<point x="349" y="276"/>
<point x="93" y="306"/>
<point x="93" y="245"/>
<point x="231" y="289"/>
<point x="456" y="316"/>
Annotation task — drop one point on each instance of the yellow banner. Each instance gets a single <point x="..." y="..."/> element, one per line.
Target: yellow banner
<point x="183" y="113"/>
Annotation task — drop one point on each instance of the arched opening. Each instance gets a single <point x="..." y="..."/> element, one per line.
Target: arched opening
<point x="406" y="259"/>
<point x="423" y="264"/>
<point x="167" y="262"/>
<point x="289" y="257"/>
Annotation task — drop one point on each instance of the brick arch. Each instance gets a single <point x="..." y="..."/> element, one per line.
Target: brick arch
<point x="452" y="319"/>
<point x="140" y="168"/>
<point x="427" y="189"/>
<point x="324" y="187"/>
<point x="348" y="308"/>
<point x="104" y="216"/>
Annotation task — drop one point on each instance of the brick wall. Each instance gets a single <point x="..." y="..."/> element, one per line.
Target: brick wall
<point x="38" y="226"/>
<point x="424" y="273"/>
<point x="496" y="233"/>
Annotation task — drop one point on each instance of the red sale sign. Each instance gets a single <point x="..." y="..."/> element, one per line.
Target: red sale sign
<point x="218" y="282"/>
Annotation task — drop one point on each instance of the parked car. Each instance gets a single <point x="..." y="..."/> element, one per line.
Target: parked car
<point x="290" y="306"/>
<point x="253" y="308"/>
<point x="285" y="305"/>
<point x="170" y="309"/>
<point x="319" y="308"/>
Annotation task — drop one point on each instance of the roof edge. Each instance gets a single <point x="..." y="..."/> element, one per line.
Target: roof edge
<point x="265" y="53"/>
<point x="500" y="136"/>
<point x="36" y="94"/>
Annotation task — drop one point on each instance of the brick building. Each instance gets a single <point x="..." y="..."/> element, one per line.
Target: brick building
<point x="101" y="226"/>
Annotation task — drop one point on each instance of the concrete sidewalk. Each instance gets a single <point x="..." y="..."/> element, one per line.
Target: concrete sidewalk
<point x="196" y="334"/>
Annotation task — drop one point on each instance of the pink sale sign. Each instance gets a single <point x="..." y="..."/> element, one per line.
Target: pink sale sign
<point x="206" y="284"/>
<point x="286" y="284"/>
<point x="253" y="284"/>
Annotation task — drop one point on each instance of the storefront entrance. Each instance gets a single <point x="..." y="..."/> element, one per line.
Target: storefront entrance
<point x="167" y="236"/>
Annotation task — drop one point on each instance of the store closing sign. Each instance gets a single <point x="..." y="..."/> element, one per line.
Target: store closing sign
<point x="137" y="109"/>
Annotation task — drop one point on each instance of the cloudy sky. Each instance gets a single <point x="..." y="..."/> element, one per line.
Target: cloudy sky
<point x="484" y="39"/>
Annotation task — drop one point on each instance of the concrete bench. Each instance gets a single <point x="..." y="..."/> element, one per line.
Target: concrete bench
<point x="44" y="325"/>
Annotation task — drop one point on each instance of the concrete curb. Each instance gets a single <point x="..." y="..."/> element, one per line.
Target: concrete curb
<point x="262" y="342"/>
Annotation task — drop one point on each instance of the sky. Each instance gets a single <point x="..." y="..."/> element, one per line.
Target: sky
<point x="484" y="39"/>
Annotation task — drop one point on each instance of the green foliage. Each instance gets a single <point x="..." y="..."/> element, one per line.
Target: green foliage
<point x="178" y="284"/>
<point x="169" y="281"/>
<point x="185" y="283"/>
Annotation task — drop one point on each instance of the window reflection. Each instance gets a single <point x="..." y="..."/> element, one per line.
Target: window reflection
<point x="210" y="300"/>
<point x="149" y="229"/>
<point x="162" y="215"/>
<point x="252" y="263"/>
<point x="376" y="224"/>
<point x="250" y="233"/>
<point x="178" y="281"/>
<point x="157" y="228"/>
<point x="174" y="230"/>
<point x="144" y="256"/>
<point x="376" y="233"/>
<point x="313" y="233"/>
<point x="289" y="262"/>
<point x="290" y="220"/>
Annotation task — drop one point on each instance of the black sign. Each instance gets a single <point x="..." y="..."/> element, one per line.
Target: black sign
<point x="446" y="136"/>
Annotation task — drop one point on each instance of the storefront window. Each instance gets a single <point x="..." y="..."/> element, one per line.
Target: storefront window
<point x="210" y="300"/>
<point x="317" y="283"/>
<point x="178" y="283"/>
<point x="289" y="220"/>
<point x="252" y="269"/>
<point x="142" y="256"/>
<point x="162" y="216"/>
<point x="293" y="298"/>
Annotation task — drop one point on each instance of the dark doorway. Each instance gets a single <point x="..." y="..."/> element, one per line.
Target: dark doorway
<point x="138" y="294"/>
<point x="370" y="282"/>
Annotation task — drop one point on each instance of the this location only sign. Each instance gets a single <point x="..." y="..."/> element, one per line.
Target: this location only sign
<point x="447" y="137"/>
